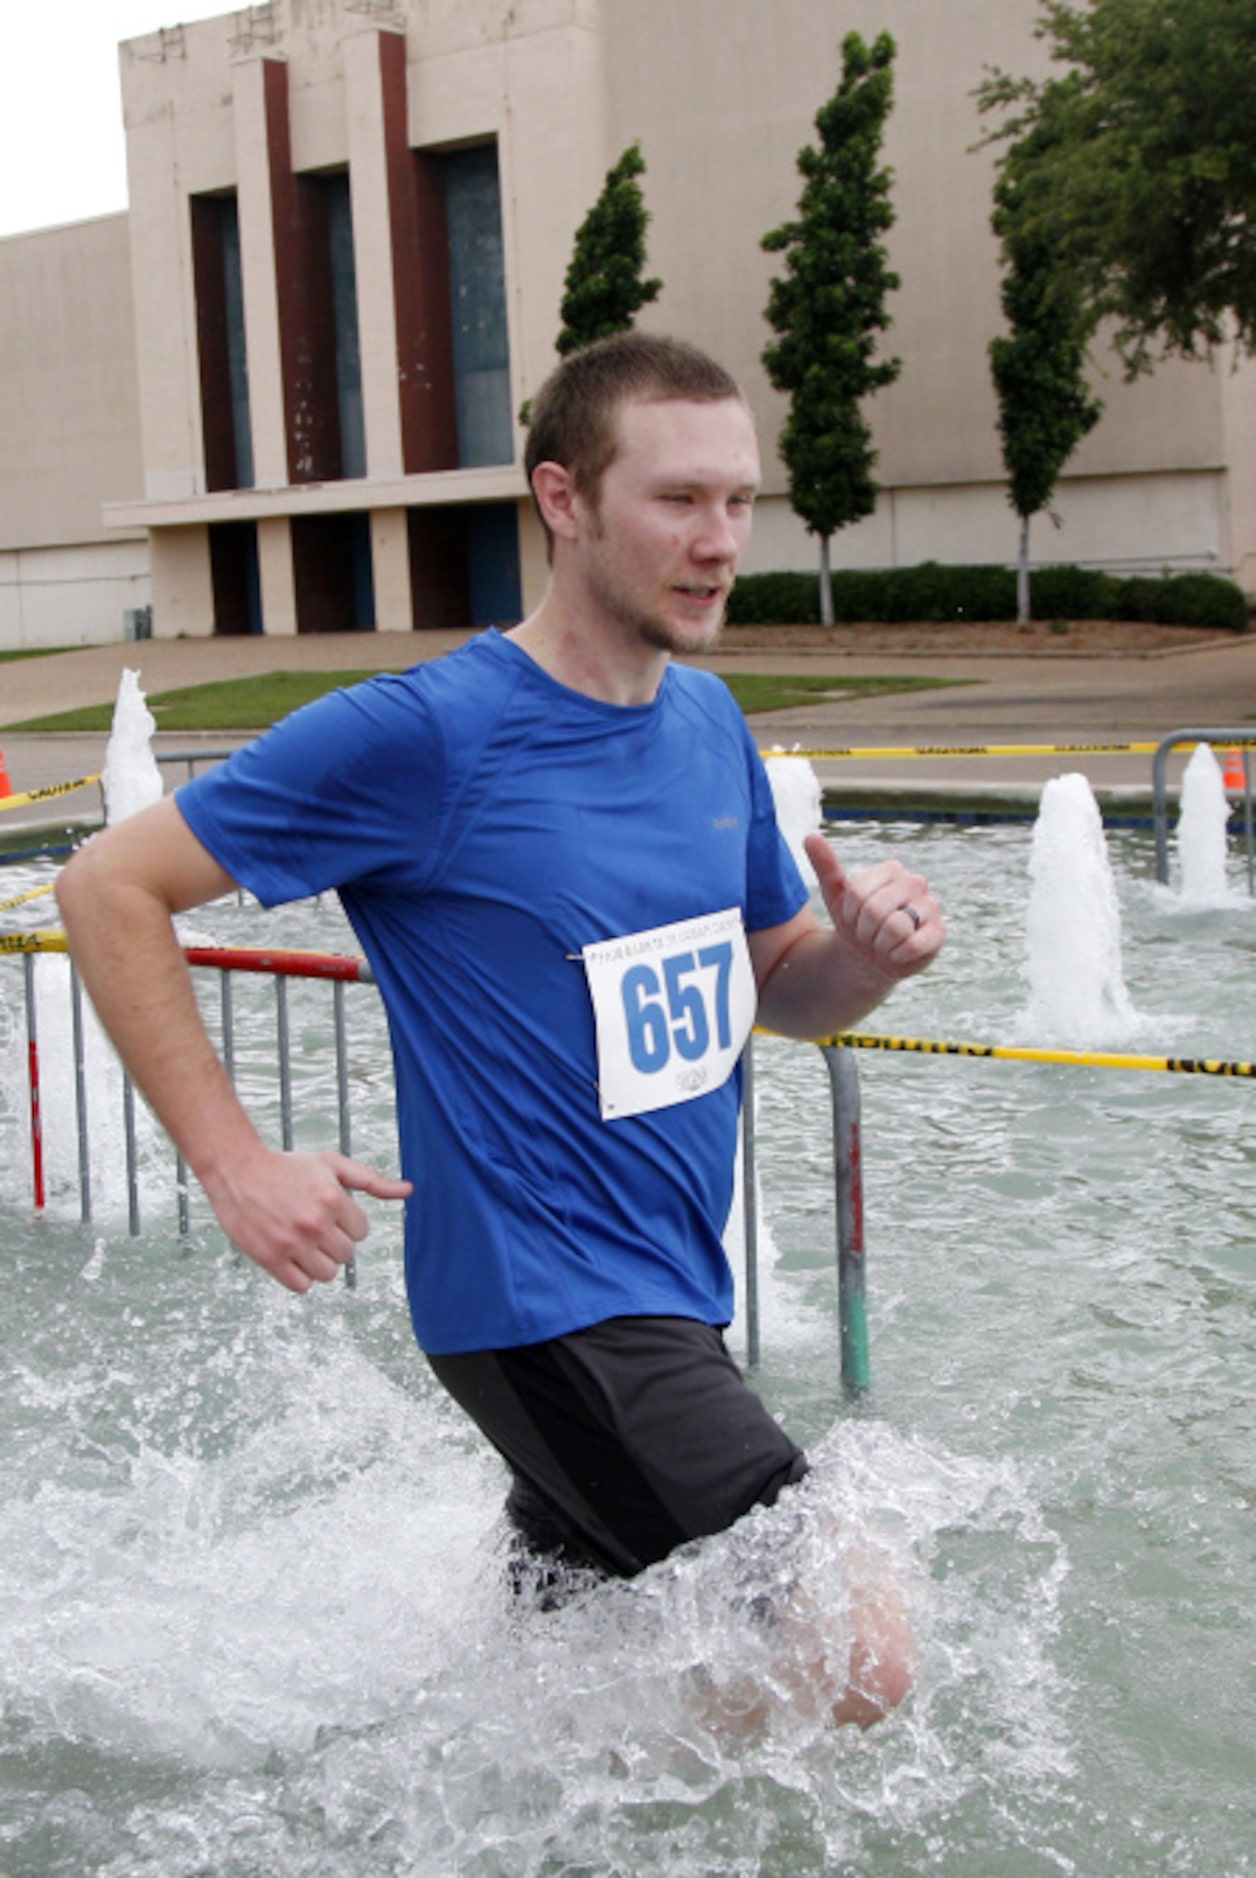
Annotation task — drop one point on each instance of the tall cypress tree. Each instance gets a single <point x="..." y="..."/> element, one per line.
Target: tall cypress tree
<point x="604" y="288"/>
<point x="1045" y="407"/>
<point x="829" y="306"/>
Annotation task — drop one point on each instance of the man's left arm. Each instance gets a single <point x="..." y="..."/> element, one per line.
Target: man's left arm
<point x="886" y="926"/>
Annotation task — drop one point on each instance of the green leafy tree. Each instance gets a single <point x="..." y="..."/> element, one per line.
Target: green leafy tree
<point x="604" y="289"/>
<point x="1144" y="184"/>
<point x="829" y="306"/>
<point x="1038" y="366"/>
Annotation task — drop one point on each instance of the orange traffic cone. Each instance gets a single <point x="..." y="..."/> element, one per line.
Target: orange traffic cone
<point x="1235" y="776"/>
<point x="6" y="787"/>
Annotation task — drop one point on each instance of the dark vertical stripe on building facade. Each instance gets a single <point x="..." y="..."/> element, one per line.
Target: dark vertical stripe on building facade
<point x="212" y="342"/>
<point x="420" y="252"/>
<point x="307" y="327"/>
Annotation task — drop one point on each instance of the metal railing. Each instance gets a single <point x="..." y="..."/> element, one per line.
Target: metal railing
<point x="277" y="964"/>
<point x="193" y="757"/>
<point x="338" y="971"/>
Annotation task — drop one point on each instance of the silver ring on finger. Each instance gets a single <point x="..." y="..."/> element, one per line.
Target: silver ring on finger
<point x="916" y="917"/>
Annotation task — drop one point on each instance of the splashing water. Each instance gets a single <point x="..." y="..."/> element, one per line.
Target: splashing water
<point x="131" y="779"/>
<point x="251" y="1607"/>
<point x="292" y="1652"/>
<point x="1073" y="928"/>
<point x="1201" y="830"/>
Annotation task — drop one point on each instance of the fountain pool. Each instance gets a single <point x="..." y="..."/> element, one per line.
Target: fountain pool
<point x="251" y="1619"/>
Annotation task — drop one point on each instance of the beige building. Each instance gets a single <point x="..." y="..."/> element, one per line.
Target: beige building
<point x="281" y="394"/>
<point x="69" y="437"/>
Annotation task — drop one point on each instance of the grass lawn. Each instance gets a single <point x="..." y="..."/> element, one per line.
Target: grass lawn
<point x="227" y="704"/>
<point x="767" y="691"/>
<point x="255" y="703"/>
<point x="37" y="652"/>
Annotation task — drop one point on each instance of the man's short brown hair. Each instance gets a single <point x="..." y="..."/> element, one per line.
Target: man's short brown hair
<point x="573" y="416"/>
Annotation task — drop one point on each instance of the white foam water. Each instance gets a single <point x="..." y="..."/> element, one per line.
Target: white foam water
<point x="1077" y="993"/>
<point x="252" y="1611"/>
<point x="131" y="777"/>
<point x="262" y="1598"/>
<point x="131" y="780"/>
<point x="1202" y="831"/>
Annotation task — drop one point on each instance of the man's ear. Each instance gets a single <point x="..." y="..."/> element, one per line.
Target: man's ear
<point x="556" y="498"/>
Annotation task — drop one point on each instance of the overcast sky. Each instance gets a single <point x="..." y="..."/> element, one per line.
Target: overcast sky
<point x="62" y="152"/>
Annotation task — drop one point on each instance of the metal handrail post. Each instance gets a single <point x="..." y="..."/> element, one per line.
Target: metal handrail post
<point x="80" y="1097"/>
<point x="226" y="1005"/>
<point x="32" y="1072"/>
<point x="750" y="1207"/>
<point x="848" y="1193"/>
<point x="285" y="1064"/>
<point x="181" y="1194"/>
<point x="344" y="1119"/>
<point x="132" y="1157"/>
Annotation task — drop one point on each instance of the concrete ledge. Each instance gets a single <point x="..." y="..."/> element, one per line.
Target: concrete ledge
<point x="37" y="837"/>
<point x="915" y="800"/>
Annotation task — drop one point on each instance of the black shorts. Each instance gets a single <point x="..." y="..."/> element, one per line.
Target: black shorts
<point x="625" y="1440"/>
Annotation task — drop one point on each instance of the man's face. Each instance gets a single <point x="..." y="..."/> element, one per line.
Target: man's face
<point x="661" y="542"/>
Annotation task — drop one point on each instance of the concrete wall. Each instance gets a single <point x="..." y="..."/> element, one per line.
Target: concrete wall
<point x="721" y="119"/>
<point x="69" y="436"/>
<point x="71" y="595"/>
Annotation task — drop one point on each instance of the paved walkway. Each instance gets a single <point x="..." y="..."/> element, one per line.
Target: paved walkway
<point x="1011" y="700"/>
<point x="988" y="700"/>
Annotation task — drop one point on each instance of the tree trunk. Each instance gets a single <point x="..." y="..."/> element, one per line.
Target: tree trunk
<point x="1022" y="575"/>
<point x="826" y="584"/>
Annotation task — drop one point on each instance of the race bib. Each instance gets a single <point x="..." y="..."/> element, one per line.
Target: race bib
<point x="674" y="1007"/>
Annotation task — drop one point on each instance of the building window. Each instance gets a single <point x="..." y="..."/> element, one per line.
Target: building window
<point x="318" y="312"/>
<point x="344" y="293"/>
<point x="464" y="566"/>
<point x="453" y="351"/>
<point x="477" y="295"/>
<point x="235" y="575"/>
<point x="223" y="359"/>
<point x="493" y="563"/>
<point x="331" y="566"/>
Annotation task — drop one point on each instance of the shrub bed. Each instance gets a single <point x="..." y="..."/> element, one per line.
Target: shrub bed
<point x="934" y="592"/>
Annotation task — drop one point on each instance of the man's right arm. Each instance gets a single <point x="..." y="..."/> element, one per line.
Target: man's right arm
<point x="292" y="1213"/>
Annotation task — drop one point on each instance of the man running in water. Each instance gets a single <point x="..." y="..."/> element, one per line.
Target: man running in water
<point x="558" y="849"/>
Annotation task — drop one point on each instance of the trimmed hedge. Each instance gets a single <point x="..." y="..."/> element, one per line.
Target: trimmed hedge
<point x="934" y="592"/>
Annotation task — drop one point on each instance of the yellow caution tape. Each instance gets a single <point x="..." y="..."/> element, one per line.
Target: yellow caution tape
<point x="1096" y="1059"/>
<point x="35" y="893"/>
<point x="47" y="793"/>
<point x="33" y="942"/>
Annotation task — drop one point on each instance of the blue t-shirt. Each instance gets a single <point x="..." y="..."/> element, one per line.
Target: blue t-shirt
<point x="483" y="824"/>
